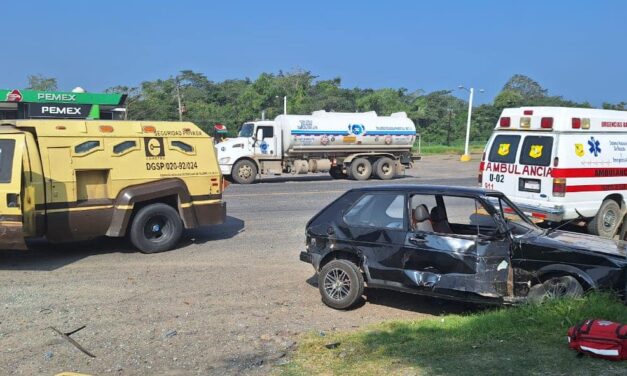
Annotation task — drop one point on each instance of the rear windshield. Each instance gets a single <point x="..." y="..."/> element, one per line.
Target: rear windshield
<point x="504" y="148"/>
<point x="536" y="150"/>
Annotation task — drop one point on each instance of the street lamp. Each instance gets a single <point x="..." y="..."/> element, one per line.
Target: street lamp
<point x="284" y="103"/>
<point x="466" y="156"/>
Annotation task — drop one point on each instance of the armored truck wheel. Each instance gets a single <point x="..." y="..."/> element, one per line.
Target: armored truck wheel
<point x="384" y="168"/>
<point x="341" y="284"/>
<point x="156" y="228"/>
<point x="607" y="220"/>
<point x="244" y="172"/>
<point x="361" y="169"/>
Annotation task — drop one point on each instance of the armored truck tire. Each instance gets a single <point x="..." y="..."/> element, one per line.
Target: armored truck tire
<point x="341" y="284"/>
<point x="156" y="228"/>
<point x="607" y="220"/>
<point x="337" y="173"/>
<point x="384" y="168"/>
<point x="360" y="169"/>
<point x="244" y="172"/>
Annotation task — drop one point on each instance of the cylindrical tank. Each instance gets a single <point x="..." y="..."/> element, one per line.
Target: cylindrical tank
<point x="301" y="166"/>
<point x="319" y="165"/>
<point x="346" y="132"/>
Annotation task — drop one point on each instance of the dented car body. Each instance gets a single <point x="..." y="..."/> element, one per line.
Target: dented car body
<point x="468" y="244"/>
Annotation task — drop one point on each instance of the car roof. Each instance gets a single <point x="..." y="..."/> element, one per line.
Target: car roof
<point x="432" y="189"/>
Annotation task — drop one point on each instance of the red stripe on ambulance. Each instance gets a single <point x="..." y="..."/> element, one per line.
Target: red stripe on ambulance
<point x="596" y="187"/>
<point x="588" y="172"/>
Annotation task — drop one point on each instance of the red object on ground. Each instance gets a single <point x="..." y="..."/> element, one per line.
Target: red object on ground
<point x="599" y="338"/>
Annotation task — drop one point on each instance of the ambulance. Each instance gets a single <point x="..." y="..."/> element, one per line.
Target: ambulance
<point x="559" y="164"/>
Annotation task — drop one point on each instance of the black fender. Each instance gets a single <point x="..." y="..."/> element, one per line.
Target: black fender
<point x="566" y="270"/>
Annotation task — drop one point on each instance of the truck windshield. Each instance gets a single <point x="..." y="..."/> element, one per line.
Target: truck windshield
<point x="6" y="160"/>
<point x="247" y="130"/>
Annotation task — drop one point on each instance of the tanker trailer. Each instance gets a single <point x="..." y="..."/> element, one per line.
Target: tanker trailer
<point x="346" y="145"/>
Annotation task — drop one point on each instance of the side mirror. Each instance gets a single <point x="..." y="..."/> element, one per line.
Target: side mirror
<point x="259" y="134"/>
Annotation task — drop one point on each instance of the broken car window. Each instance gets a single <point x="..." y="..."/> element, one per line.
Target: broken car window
<point x="378" y="210"/>
<point x="466" y="216"/>
<point x="516" y="221"/>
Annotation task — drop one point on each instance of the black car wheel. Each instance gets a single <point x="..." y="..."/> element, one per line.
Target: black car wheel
<point x="156" y="228"/>
<point x="361" y="169"/>
<point x="341" y="284"/>
<point x="555" y="288"/>
<point x="336" y="173"/>
<point x="244" y="172"/>
<point x="384" y="168"/>
<point x="607" y="220"/>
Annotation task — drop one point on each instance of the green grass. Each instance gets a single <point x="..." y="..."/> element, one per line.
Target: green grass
<point x="458" y="149"/>
<point x="525" y="340"/>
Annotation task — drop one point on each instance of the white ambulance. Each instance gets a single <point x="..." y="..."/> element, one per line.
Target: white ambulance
<point x="557" y="162"/>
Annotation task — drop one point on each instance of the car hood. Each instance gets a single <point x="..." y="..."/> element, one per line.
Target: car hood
<point x="586" y="242"/>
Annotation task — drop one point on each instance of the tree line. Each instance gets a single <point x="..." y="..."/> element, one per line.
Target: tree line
<point x="439" y="115"/>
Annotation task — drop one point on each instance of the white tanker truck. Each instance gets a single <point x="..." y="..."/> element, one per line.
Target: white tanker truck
<point x="347" y="145"/>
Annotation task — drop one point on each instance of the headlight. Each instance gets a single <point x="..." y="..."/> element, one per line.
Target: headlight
<point x="225" y="160"/>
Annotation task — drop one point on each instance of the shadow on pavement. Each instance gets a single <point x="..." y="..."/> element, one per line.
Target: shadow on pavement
<point x="46" y="256"/>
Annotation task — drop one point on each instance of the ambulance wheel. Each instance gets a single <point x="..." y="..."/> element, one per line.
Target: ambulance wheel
<point x="384" y="168"/>
<point x="244" y="172"/>
<point x="341" y="284"/>
<point x="336" y="173"/>
<point x="607" y="220"/>
<point x="156" y="228"/>
<point x="555" y="288"/>
<point x="360" y="169"/>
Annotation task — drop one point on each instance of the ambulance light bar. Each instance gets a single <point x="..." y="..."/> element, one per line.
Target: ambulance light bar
<point x="546" y="122"/>
<point x="504" y="122"/>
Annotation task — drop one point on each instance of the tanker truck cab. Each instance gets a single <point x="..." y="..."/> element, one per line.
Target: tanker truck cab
<point x="73" y="180"/>
<point x="557" y="163"/>
<point x="346" y="145"/>
<point x="256" y="145"/>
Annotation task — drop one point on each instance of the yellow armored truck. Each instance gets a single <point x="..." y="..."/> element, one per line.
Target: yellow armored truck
<point x="70" y="180"/>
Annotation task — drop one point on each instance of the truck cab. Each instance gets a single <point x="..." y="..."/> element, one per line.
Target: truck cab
<point x="256" y="142"/>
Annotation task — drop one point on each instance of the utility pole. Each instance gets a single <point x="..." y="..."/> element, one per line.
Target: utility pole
<point x="448" y="131"/>
<point x="285" y="105"/>
<point x="178" y="98"/>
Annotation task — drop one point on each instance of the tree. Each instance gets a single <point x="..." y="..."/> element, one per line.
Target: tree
<point x="525" y="86"/>
<point x="508" y="98"/>
<point x="41" y="83"/>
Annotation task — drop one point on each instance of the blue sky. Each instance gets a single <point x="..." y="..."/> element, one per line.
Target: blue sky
<point x="576" y="49"/>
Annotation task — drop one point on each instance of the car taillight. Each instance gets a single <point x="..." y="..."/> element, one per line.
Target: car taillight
<point x="576" y="123"/>
<point x="528" y="112"/>
<point x="504" y="122"/>
<point x="559" y="187"/>
<point x="546" y="122"/>
<point x="480" y="178"/>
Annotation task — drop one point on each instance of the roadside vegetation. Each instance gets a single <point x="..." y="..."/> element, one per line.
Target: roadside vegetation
<point x="440" y="116"/>
<point x="524" y="340"/>
<point x="475" y="147"/>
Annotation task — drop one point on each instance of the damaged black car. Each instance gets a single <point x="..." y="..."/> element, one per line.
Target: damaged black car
<point x="467" y="244"/>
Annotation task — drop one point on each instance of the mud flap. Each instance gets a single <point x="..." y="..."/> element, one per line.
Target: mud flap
<point x="11" y="234"/>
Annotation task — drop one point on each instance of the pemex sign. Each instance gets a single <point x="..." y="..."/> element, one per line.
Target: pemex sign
<point x="33" y="96"/>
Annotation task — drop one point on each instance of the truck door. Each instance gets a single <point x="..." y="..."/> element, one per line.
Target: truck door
<point x="266" y="143"/>
<point x="11" y="220"/>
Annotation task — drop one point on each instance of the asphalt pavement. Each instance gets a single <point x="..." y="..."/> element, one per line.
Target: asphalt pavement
<point x="232" y="299"/>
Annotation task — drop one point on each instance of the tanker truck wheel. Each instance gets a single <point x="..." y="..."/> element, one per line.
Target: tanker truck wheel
<point x="336" y="173"/>
<point x="384" y="168"/>
<point x="361" y="169"/>
<point x="244" y="172"/>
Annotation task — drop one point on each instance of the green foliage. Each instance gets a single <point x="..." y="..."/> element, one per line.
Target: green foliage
<point x="440" y="116"/>
<point x="39" y="82"/>
<point x="526" y="340"/>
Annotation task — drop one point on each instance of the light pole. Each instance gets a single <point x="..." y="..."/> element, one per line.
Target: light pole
<point x="284" y="103"/>
<point x="466" y="156"/>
